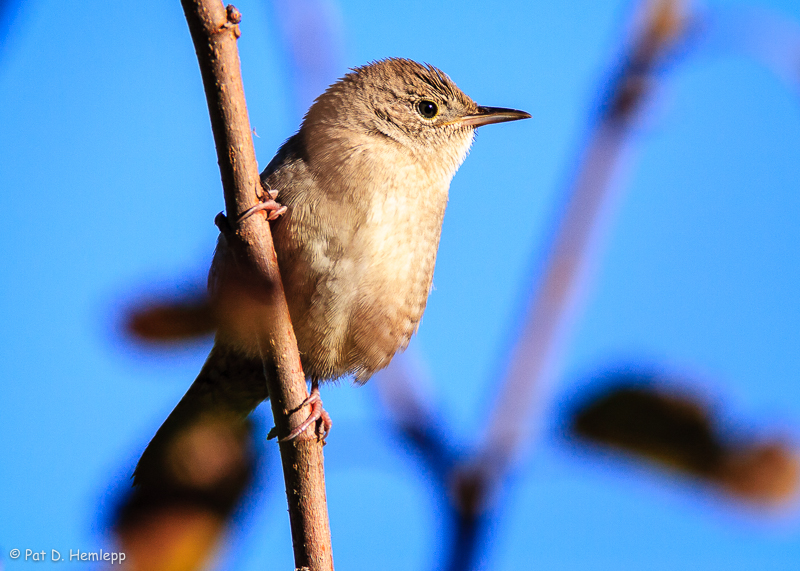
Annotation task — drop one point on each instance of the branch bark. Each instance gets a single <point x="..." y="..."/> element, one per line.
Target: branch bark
<point x="214" y="32"/>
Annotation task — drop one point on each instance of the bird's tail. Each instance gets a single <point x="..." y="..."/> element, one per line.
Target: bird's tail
<point x="228" y="388"/>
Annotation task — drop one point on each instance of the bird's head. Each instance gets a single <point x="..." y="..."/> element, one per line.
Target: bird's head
<point x="399" y="105"/>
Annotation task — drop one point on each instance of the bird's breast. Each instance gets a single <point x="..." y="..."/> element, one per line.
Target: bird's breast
<point x="357" y="270"/>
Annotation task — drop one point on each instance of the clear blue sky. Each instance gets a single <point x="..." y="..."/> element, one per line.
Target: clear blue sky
<point x="109" y="186"/>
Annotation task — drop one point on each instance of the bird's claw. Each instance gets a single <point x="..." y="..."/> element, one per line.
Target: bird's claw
<point x="268" y="204"/>
<point x="318" y="416"/>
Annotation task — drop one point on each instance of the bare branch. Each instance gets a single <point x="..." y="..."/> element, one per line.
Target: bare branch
<point x="214" y="32"/>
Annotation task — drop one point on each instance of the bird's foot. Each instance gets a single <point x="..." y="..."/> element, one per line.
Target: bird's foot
<point x="318" y="416"/>
<point x="267" y="204"/>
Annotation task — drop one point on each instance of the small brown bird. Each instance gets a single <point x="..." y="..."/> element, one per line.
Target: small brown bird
<point x="364" y="183"/>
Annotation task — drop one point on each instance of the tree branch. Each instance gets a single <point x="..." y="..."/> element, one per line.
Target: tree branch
<point x="214" y="32"/>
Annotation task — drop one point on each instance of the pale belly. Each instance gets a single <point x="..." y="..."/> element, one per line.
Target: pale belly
<point x="357" y="282"/>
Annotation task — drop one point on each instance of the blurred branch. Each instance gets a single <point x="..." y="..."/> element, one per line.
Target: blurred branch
<point x="313" y="39"/>
<point x="565" y="263"/>
<point x="175" y="522"/>
<point x="673" y="428"/>
<point x="662" y="26"/>
<point x="173" y="320"/>
<point x="403" y="390"/>
<point x="214" y="32"/>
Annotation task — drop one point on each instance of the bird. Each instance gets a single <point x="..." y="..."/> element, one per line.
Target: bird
<point x="356" y="200"/>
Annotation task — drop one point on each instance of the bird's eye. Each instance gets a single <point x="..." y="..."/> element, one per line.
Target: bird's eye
<point x="427" y="109"/>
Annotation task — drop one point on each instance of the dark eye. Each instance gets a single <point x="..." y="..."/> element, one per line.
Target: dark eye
<point x="427" y="109"/>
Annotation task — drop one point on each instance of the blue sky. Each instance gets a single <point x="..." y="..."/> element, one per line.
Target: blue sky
<point x="109" y="187"/>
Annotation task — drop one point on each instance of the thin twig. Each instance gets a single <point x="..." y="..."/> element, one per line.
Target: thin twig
<point x="214" y="32"/>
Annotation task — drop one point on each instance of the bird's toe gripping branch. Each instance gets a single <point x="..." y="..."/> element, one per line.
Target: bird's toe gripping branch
<point x="267" y="204"/>
<point x="318" y="416"/>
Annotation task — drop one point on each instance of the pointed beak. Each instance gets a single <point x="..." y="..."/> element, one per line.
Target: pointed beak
<point x="489" y="115"/>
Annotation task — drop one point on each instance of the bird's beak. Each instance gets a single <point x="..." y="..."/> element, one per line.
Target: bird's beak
<point x="489" y="115"/>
